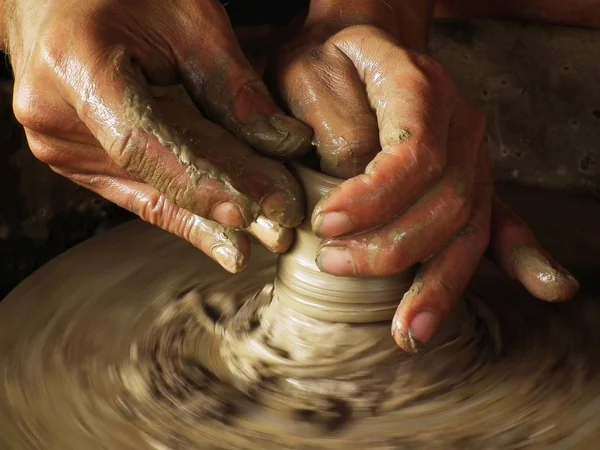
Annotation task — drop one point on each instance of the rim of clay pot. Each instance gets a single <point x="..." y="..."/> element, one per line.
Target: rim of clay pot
<point x="315" y="184"/>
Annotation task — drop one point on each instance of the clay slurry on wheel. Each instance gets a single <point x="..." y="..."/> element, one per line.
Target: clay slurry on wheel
<point x="160" y="348"/>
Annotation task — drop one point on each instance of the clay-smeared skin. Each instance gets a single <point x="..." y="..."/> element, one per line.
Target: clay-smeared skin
<point x="159" y="348"/>
<point x="419" y="189"/>
<point x="83" y="72"/>
<point x="357" y="75"/>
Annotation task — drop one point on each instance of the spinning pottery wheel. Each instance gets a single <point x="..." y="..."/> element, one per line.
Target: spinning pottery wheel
<point x="135" y="340"/>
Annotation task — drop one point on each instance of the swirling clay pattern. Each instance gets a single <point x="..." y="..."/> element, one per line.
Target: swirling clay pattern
<point x="159" y="348"/>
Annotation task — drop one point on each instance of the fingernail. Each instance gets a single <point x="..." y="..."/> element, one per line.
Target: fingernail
<point x="283" y="123"/>
<point x="424" y="326"/>
<point x="336" y="261"/>
<point x="333" y="224"/>
<point x="296" y="137"/>
<point x="404" y="340"/>
<point x="543" y="277"/>
<point x="278" y="136"/>
<point x="229" y="258"/>
<point x="228" y="214"/>
<point x="272" y="235"/>
<point x="279" y="208"/>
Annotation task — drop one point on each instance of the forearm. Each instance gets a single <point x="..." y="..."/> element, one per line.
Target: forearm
<point x="409" y="20"/>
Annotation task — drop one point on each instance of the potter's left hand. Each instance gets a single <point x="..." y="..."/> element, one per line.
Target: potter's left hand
<point x="420" y="188"/>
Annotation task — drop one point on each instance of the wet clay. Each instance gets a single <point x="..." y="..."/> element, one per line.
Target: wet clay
<point x="159" y="348"/>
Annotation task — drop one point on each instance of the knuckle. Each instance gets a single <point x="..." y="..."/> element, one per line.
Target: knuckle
<point x="436" y="165"/>
<point x="433" y="82"/>
<point x="153" y="208"/>
<point x="175" y="189"/>
<point x="460" y="198"/>
<point x="417" y="80"/>
<point x="476" y="236"/>
<point x="436" y="73"/>
<point x="45" y="154"/>
<point x="30" y="107"/>
<point x="423" y="156"/>
<point x="356" y="141"/>
<point x="51" y="50"/>
<point x="478" y="228"/>
<point x="433" y="89"/>
<point x="156" y="209"/>
<point x="25" y="108"/>
<point x="128" y="151"/>
<point x="299" y="68"/>
<point x="305" y="77"/>
<point x="357" y="150"/>
<point x="432" y="161"/>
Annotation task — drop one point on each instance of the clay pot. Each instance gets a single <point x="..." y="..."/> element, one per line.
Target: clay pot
<point x="302" y="286"/>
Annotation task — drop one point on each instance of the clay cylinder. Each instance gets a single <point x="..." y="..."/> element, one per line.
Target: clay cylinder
<point x="300" y="285"/>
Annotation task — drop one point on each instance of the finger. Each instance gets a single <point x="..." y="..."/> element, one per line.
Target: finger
<point x="72" y="157"/>
<point x="266" y="181"/>
<point x="413" y="112"/>
<point x="83" y="162"/>
<point x="516" y="250"/>
<point x="324" y="90"/>
<point x="271" y="235"/>
<point x="420" y="231"/>
<point x="219" y="79"/>
<point x="441" y="281"/>
<point x="168" y="145"/>
<point x="228" y="247"/>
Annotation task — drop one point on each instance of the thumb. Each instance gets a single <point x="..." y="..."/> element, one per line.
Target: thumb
<point x="223" y="84"/>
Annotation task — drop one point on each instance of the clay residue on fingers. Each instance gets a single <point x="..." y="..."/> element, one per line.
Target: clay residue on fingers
<point x="404" y="338"/>
<point x="544" y="279"/>
<point x="255" y="183"/>
<point x="284" y="205"/>
<point x="272" y="235"/>
<point x="139" y="115"/>
<point x="278" y="136"/>
<point x="249" y="112"/>
<point x="401" y="332"/>
<point x="229" y="247"/>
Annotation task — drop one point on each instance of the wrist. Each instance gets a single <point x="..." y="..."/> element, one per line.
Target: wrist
<point x="407" y="20"/>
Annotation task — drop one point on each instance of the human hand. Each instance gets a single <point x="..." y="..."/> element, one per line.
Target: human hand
<point x="83" y="76"/>
<point x="420" y="187"/>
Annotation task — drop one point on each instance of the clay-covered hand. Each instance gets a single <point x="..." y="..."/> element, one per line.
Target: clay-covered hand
<point x="84" y="77"/>
<point x="420" y="189"/>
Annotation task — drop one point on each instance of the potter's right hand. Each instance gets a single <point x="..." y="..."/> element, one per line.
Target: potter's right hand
<point x="419" y="188"/>
<point x="83" y="71"/>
